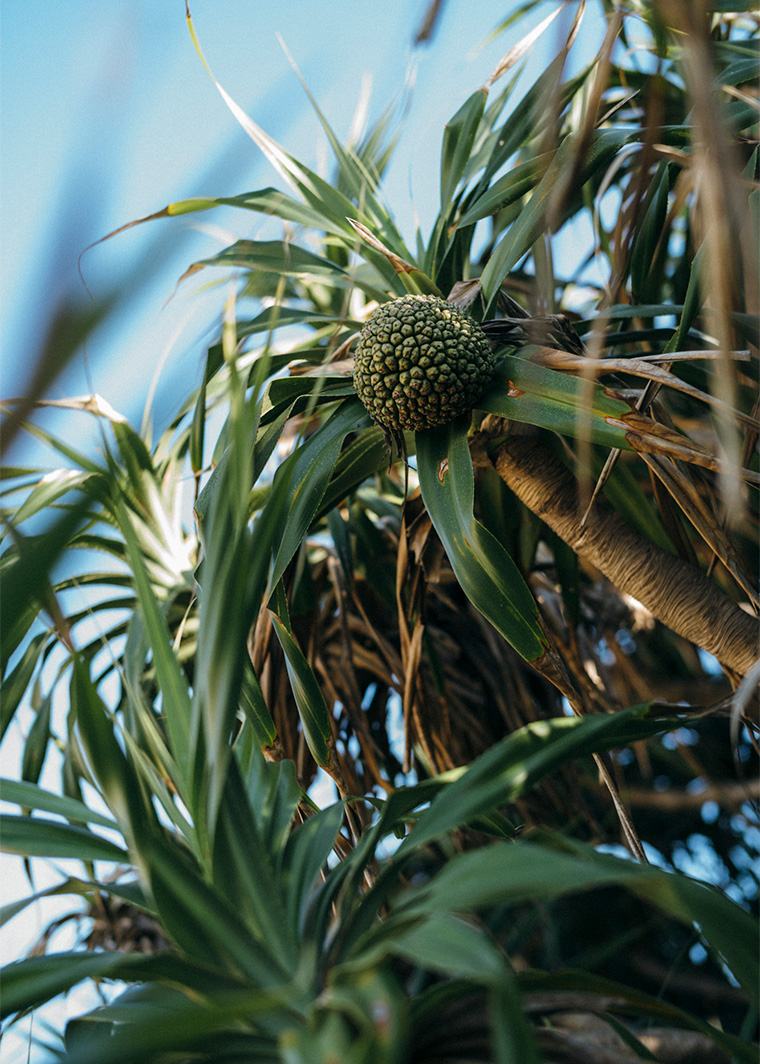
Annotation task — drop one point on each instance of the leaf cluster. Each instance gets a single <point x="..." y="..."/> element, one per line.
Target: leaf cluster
<point x="493" y="662"/>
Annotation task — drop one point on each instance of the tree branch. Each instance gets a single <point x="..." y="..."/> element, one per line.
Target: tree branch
<point x="727" y="796"/>
<point x="676" y="593"/>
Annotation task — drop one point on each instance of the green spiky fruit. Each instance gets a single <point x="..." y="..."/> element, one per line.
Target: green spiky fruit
<point x="420" y="362"/>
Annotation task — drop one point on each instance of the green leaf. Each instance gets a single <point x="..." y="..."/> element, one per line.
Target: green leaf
<point x="301" y="482"/>
<point x="270" y="201"/>
<point x="645" y="265"/>
<point x="534" y="219"/>
<point x="198" y="430"/>
<point x="310" y="701"/>
<point x="36" y="837"/>
<point x="485" y="571"/>
<point x="733" y="5"/>
<point x="741" y="70"/>
<point x="52" y="486"/>
<point x="512" y="1035"/>
<point x="15" y="685"/>
<point x="442" y="943"/>
<point x="128" y="892"/>
<point x="162" y="1023"/>
<point x="175" y="697"/>
<point x="458" y="139"/>
<point x="503" y="193"/>
<point x="201" y="920"/>
<point x="530" y="116"/>
<point x="138" y="462"/>
<point x="30" y="982"/>
<point x="254" y="706"/>
<point x="30" y="796"/>
<point x="274" y="794"/>
<point x="321" y="196"/>
<point x="447" y="945"/>
<point x="26" y="579"/>
<point x="338" y="528"/>
<point x="113" y="772"/>
<point x="217" y="484"/>
<point x="232" y="584"/>
<point x="520" y="760"/>
<point x="158" y="773"/>
<point x="345" y="880"/>
<point x="692" y="303"/>
<point x="522" y="391"/>
<point x="266" y="321"/>
<point x="306" y="855"/>
<point x="37" y="741"/>
<point x="63" y="448"/>
<point x="270" y="430"/>
<point x="245" y="873"/>
<point x="329" y="386"/>
<point x="275" y="256"/>
<point x="363" y="1018"/>
<point x="360" y="181"/>
<point x="13" y="908"/>
<point x="509" y="873"/>
<point x="360" y="459"/>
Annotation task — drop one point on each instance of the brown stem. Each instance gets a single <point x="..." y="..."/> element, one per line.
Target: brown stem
<point x="674" y="592"/>
<point x="727" y="796"/>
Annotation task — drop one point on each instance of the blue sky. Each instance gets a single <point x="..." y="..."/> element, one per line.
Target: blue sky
<point x="108" y="115"/>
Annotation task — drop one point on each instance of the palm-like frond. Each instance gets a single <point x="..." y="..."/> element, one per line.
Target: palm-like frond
<point x="419" y="633"/>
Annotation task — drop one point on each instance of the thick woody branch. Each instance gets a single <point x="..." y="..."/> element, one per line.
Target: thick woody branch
<point x="676" y="593"/>
<point x="727" y="796"/>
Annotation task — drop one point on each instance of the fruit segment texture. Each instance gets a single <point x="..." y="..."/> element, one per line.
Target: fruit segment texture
<point x="421" y="362"/>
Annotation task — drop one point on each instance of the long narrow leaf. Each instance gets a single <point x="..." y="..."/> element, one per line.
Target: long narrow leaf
<point x="276" y="256"/>
<point x="516" y="763"/>
<point x="533" y="220"/>
<point x="112" y="771"/>
<point x="175" y="696"/>
<point x="202" y="922"/>
<point x="52" y="486"/>
<point x="361" y="182"/>
<point x="254" y="706"/>
<point x="508" y="873"/>
<point x="31" y="796"/>
<point x="487" y="574"/>
<point x="37" y="837"/>
<point x="458" y="137"/>
<point x="535" y="395"/>
<point x="26" y="578"/>
<point x="306" y="475"/>
<point x="245" y="872"/>
<point x="504" y="192"/>
<point x="15" y="685"/>
<point x="29" y="982"/>
<point x="360" y="459"/>
<point x="306" y="856"/>
<point x="310" y="701"/>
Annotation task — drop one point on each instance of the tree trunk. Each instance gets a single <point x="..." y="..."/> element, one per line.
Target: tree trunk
<point x="676" y="593"/>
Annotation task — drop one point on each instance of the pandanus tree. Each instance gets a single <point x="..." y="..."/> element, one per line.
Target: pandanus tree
<point x="511" y="638"/>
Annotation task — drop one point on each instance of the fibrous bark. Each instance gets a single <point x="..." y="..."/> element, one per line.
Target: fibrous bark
<point x="676" y="593"/>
